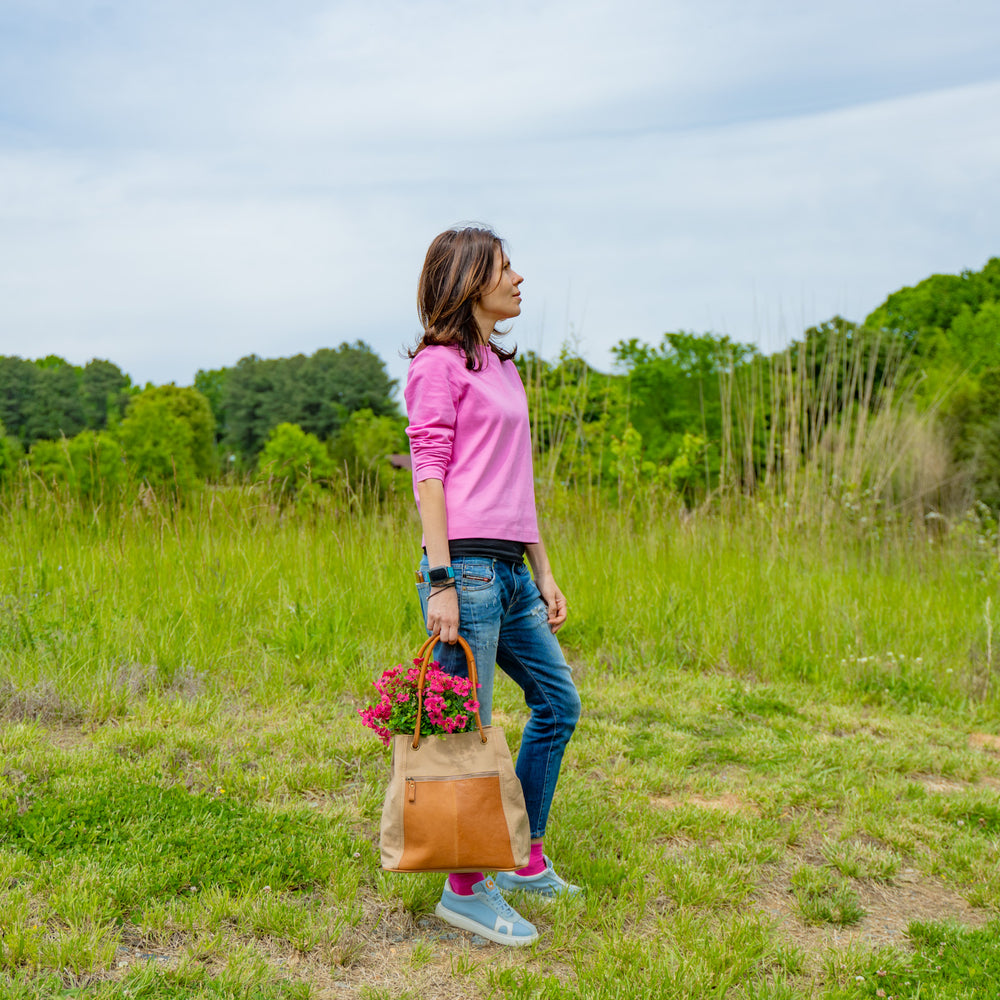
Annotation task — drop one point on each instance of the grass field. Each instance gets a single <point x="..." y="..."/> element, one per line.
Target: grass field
<point x="784" y="784"/>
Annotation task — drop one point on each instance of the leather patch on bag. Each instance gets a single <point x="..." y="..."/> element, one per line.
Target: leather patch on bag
<point x="478" y="804"/>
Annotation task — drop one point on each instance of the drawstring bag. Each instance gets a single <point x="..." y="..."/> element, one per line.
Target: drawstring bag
<point x="454" y="803"/>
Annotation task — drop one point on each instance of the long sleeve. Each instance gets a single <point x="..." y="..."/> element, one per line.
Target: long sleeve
<point x="431" y="405"/>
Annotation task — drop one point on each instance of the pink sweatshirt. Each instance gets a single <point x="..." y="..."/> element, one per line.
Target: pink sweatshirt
<point x="470" y="430"/>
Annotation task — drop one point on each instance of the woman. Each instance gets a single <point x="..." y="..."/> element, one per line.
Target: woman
<point x="471" y="449"/>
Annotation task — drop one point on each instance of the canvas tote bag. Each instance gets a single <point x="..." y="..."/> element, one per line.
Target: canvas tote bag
<point x="454" y="803"/>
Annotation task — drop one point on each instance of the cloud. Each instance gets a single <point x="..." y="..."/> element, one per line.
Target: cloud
<point x="761" y="228"/>
<point x="311" y="72"/>
<point x="185" y="184"/>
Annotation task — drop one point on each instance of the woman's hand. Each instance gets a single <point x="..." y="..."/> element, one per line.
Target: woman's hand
<point x="546" y="584"/>
<point x="442" y="614"/>
<point x="554" y="601"/>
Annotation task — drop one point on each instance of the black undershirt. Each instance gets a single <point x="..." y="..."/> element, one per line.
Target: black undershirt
<point x="487" y="548"/>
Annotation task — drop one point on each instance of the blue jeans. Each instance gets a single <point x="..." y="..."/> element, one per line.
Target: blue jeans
<point x="505" y="622"/>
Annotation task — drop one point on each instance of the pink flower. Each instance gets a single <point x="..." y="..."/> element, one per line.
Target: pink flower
<point x="445" y="695"/>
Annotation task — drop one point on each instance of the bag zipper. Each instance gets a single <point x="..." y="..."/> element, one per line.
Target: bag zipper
<point x="411" y="783"/>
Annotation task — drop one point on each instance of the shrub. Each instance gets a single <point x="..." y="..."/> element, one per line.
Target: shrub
<point x="169" y="435"/>
<point x="90" y="464"/>
<point x="293" y="459"/>
<point x="361" y="449"/>
<point x="10" y="455"/>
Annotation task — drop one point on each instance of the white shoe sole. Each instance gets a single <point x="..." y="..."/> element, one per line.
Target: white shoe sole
<point x="468" y="924"/>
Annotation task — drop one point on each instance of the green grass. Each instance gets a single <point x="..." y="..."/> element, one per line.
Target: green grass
<point x="948" y="962"/>
<point x="774" y="758"/>
<point x="824" y="899"/>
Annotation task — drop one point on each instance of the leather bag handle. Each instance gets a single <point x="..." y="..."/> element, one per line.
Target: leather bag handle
<point x="426" y="654"/>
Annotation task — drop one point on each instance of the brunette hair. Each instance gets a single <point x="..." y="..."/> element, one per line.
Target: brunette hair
<point x="457" y="272"/>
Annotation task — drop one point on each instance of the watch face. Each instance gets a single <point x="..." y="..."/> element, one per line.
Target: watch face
<point x="440" y="575"/>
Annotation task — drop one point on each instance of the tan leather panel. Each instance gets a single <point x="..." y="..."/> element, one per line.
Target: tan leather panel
<point x="477" y="803"/>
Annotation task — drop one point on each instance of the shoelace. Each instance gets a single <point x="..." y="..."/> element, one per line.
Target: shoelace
<point x="502" y="906"/>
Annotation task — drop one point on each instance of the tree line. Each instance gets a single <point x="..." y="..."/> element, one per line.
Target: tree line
<point x="292" y="421"/>
<point x="902" y="408"/>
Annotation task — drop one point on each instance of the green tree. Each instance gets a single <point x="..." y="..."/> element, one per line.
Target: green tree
<point x="973" y="340"/>
<point x="54" y="408"/>
<point x="212" y="385"/>
<point x="674" y="387"/>
<point x="971" y="418"/>
<point x="926" y="313"/>
<point x="361" y="448"/>
<point x="246" y="397"/>
<point x="291" y="459"/>
<point x="50" y="398"/>
<point x="17" y="389"/>
<point x="190" y="406"/>
<point x="168" y="435"/>
<point x="931" y="305"/>
<point x="40" y="399"/>
<point x="104" y="393"/>
<point x="354" y="378"/>
<point x="675" y="397"/>
<point x="316" y="392"/>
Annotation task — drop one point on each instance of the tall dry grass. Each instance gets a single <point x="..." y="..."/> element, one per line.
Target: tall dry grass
<point x="833" y="425"/>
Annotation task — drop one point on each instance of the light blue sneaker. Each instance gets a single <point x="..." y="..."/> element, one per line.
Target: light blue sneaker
<point x="485" y="913"/>
<point x="546" y="884"/>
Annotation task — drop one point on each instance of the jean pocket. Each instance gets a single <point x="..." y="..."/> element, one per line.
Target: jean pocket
<point x="477" y="576"/>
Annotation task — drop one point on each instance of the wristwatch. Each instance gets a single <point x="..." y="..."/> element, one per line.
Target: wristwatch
<point x="437" y="575"/>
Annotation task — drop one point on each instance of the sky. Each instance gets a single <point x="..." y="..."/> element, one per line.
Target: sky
<point x="185" y="183"/>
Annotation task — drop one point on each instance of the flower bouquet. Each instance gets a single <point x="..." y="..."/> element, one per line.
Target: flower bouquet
<point x="449" y="703"/>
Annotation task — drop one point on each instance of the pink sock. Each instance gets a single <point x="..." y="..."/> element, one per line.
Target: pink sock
<point x="536" y="863"/>
<point x="462" y="882"/>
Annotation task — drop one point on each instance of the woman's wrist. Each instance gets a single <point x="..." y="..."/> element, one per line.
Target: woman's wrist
<point x="441" y="576"/>
<point x="541" y="568"/>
